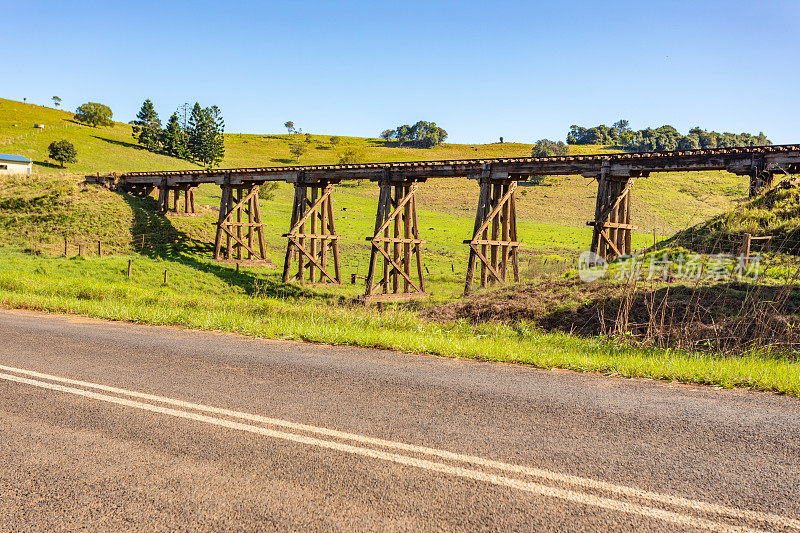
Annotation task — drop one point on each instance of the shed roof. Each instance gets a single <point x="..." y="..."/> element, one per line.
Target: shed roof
<point x="12" y="157"/>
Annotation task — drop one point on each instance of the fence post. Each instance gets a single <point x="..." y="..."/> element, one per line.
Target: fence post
<point x="81" y="250"/>
<point x="130" y="267"/>
<point x="746" y="247"/>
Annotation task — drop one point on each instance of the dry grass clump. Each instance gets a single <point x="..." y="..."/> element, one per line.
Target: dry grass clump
<point x="729" y="317"/>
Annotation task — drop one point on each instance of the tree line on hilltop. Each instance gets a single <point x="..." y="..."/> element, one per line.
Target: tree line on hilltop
<point x="423" y="134"/>
<point x="198" y="136"/>
<point x="660" y="139"/>
<point x="665" y="138"/>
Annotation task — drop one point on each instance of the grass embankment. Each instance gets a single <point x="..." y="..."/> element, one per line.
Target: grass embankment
<point x="217" y="298"/>
<point x="731" y="317"/>
<point x="776" y="214"/>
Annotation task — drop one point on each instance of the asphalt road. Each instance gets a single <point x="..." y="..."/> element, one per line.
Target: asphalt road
<point x="115" y="426"/>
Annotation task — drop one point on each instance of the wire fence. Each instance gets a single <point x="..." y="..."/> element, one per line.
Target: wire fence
<point x="34" y="131"/>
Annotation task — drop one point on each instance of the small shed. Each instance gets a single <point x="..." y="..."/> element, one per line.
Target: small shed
<point x="15" y="164"/>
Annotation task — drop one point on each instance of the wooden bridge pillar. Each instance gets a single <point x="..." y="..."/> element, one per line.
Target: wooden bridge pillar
<point x="189" y="204"/>
<point x="396" y="241"/>
<point x="760" y="179"/>
<point x="142" y="191"/>
<point x="612" y="217"/>
<point x="494" y="236"/>
<point x="239" y="225"/>
<point x="169" y="199"/>
<point x="312" y="235"/>
<point x="163" y="200"/>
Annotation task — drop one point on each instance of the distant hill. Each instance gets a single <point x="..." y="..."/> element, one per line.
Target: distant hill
<point x="110" y="149"/>
<point x="664" y="202"/>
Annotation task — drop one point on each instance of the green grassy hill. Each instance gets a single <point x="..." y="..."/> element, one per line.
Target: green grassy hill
<point x="664" y="203"/>
<point x="113" y="149"/>
<point x="39" y="211"/>
<point x="776" y="214"/>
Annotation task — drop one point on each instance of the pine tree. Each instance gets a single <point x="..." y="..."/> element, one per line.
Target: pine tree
<point x="175" y="138"/>
<point x="215" y="138"/>
<point x="206" y="141"/>
<point x="147" y="126"/>
<point x="194" y="133"/>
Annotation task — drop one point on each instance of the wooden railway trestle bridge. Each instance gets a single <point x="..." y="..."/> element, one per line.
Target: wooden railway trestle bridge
<point x="396" y="271"/>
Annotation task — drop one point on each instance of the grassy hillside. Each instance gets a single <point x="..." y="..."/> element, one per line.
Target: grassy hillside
<point x="664" y="203"/>
<point x="38" y="212"/>
<point x="776" y="214"/>
<point x="108" y="149"/>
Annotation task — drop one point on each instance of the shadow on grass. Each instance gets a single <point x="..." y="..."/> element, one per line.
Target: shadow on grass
<point x="47" y="164"/>
<point x="124" y="144"/>
<point x="164" y="241"/>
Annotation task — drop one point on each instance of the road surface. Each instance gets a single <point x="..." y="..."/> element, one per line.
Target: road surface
<point x="116" y="426"/>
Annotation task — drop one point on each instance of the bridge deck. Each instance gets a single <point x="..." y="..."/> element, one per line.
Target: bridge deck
<point x="740" y="160"/>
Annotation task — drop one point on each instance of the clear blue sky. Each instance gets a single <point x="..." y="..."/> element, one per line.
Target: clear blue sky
<point x="523" y="70"/>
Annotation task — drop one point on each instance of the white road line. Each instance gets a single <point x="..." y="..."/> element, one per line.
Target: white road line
<point x="476" y="475"/>
<point x="585" y="483"/>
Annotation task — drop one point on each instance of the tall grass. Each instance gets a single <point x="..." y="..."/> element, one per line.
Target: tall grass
<point x="199" y="300"/>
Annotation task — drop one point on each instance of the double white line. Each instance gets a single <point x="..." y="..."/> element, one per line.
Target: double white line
<point x="623" y="500"/>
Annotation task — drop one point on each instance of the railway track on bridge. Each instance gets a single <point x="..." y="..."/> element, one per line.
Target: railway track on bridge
<point x="395" y="269"/>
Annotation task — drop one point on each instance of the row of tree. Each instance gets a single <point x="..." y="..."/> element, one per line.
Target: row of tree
<point x="196" y="136"/>
<point x="421" y="135"/>
<point x="668" y="138"/>
<point x="547" y="148"/>
<point x="664" y="138"/>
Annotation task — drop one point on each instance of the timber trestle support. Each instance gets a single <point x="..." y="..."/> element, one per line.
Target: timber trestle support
<point x="396" y="241"/>
<point x="760" y="178"/>
<point x="613" y="230"/>
<point x="312" y="236"/>
<point x="494" y="237"/>
<point x="240" y="232"/>
<point x="170" y="201"/>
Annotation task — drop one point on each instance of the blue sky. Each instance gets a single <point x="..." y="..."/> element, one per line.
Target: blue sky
<point x="521" y="70"/>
